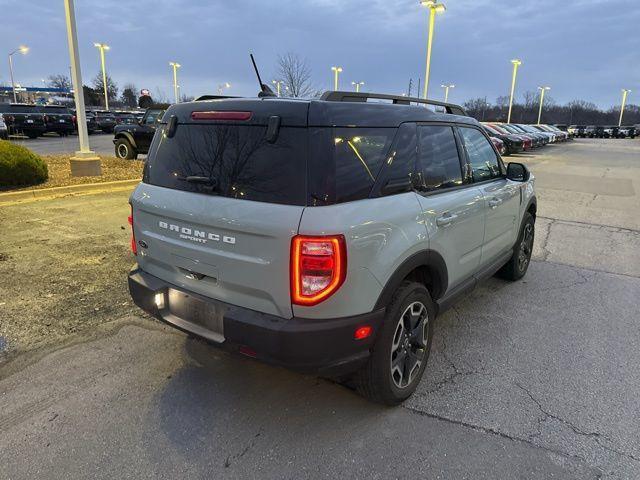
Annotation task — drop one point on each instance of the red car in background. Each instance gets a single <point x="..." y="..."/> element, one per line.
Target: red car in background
<point x="499" y="144"/>
<point x="527" y="143"/>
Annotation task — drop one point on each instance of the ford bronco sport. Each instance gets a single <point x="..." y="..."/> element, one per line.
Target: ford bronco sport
<point x="324" y="235"/>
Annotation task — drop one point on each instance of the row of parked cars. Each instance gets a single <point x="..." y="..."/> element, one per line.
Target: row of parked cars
<point x="600" y="131"/>
<point x="515" y="137"/>
<point x="36" y="120"/>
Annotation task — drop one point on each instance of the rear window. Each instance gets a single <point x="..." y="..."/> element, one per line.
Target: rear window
<point x="232" y="161"/>
<point x="345" y="162"/>
<point x="20" y="109"/>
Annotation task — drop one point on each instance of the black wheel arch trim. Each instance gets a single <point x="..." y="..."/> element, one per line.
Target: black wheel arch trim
<point x="128" y="137"/>
<point x="425" y="258"/>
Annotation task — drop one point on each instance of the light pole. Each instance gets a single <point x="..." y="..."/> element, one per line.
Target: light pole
<point x="222" y="86"/>
<point x="277" y="83"/>
<point x="357" y="85"/>
<point x="446" y="91"/>
<point x="433" y="9"/>
<point x="516" y="63"/>
<point x="542" y="90"/>
<point x="175" y="66"/>
<point x="625" y="92"/>
<point x="102" y="47"/>
<point x="336" y="71"/>
<point x="84" y="162"/>
<point x="23" y="49"/>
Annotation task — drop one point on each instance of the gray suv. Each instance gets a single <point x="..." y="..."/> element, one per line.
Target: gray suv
<point x="324" y="235"/>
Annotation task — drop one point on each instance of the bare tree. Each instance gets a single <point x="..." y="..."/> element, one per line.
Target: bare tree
<point x="295" y="74"/>
<point x="112" y="87"/>
<point x="129" y="95"/>
<point x="59" y="81"/>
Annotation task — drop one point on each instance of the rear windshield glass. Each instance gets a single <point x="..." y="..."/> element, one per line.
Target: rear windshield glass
<point x="231" y="161"/>
<point x="18" y="108"/>
<point x="58" y="110"/>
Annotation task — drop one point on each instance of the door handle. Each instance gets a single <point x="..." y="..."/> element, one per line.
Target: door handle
<point x="446" y="219"/>
<point x="494" y="202"/>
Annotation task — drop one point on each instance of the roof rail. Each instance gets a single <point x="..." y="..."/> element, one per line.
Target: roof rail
<point x="214" y="97"/>
<point x="338" y="96"/>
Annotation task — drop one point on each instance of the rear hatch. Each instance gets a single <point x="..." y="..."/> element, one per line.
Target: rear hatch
<point x="57" y="116"/>
<point x="221" y="199"/>
<point x="24" y="116"/>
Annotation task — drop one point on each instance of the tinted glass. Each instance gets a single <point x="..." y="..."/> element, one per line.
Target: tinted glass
<point x="483" y="159"/>
<point x="438" y="160"/>
<point x="400" y="161"/>
<point x="20" y="109"/>
<point x="237" y="160"/>
<point x="152" y="116"/>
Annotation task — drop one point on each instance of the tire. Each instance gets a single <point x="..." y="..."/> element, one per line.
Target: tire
<point x="378" y="380"/>
<point x="517" y="266"/>
<point x="125" y="150"/>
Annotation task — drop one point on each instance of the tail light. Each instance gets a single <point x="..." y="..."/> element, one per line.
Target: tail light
<point x="9" y="118"/>
<point x="134" y="247"/>
<point x="74" y="119"/>
<point x="45" y="118"/>
<point x="318" y="268"/>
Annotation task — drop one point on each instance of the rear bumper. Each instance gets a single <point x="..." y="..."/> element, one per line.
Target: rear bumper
<point x="60" y="127"/>
<point x="324" y="346"/>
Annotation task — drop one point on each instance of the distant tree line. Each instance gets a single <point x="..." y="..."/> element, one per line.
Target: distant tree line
<point x="576" y="112"/>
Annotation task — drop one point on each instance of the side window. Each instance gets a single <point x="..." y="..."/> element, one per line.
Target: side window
<point x="438" y="160"/>
<point x="400" y="161"/>
<point x="483" y="159"/>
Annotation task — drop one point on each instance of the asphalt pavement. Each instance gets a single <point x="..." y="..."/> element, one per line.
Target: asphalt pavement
<point x="532" y="379"/>
<point x="101" y="143"/>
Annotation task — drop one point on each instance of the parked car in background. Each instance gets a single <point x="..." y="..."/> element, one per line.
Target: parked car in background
<point x="600" y="132"/>
<point x="564" y="135"/>
<point x="512" y="143"/>
<point x="105" y="121"/>
<point x="4" y="132"/>
<point x="57" y="119"/>
<point x="23" y="118"/>
<point x="628" y="132"/>
<point x="536" y="140"/>
<point x="92" y="126"/>
<point x="590" y="131"/>
<point x="132" y="140"/>
<point x="577" y="130"/>
<point x="544" y="136"/>
<point x="499" y="144"/>
<point x="125" y="118"/>
<point x="527" y="143"/>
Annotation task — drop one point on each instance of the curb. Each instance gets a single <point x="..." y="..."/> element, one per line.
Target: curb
<point x="54" y="192"/>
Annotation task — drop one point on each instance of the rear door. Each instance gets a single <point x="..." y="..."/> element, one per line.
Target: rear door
<point x="147" y="128"/>
<point x="219" y="205"/>
<point x="453" y="209"/>
<point x="501" y="196"/>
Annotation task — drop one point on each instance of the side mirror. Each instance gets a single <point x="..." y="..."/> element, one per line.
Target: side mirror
<point x="517" y="172"/>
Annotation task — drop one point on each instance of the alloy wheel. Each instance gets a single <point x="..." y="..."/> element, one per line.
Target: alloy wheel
<point x="408" y="349"/>
<point x="526" y="247"/>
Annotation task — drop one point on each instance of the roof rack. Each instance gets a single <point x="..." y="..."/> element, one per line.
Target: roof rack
<point x="337" y="96"/>
<point x="214" y="97"/>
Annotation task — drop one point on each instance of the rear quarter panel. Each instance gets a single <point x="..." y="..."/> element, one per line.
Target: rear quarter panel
<point x="380" y="234"/>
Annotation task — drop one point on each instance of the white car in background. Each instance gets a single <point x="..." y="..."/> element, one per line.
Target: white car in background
<point x="4" y="133"/>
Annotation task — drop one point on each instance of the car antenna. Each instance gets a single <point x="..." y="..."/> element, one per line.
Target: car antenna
<point x="265" y="91"/>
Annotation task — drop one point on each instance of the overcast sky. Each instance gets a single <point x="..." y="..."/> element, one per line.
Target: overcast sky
<point x="586" y="49"/>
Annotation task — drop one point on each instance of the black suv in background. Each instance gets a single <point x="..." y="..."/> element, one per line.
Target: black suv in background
<point x="105" y="121"/>
<point x="131" y="140"/>
<point x="57" y="119"/>
<point x="125" y="118"/>
<point x="22" y="118"/>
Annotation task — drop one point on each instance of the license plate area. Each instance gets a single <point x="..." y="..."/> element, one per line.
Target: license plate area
<point x="203" y="318"/>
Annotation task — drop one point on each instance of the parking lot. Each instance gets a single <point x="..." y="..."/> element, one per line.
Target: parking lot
<point x="533" y="379"/>
<point x="101" y="143"/>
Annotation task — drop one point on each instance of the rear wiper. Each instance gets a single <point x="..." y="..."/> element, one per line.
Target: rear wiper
<point x="199" y="179"/>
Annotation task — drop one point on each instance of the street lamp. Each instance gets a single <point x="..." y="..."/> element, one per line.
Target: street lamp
<point x="102" y="47"/>
<point x="84" y="162"/>
<point x="516" y="63"/>
<point x="542" y="90"/>
<point x="336" y="71"/>
<point x="277" y="83"/>
<point x="446" y="91"/>
<point x="222" y="86"/>
<point x="357" y="85"/>
<point x="625" y="92"/>
<point x="175" y="66"/>
<point x="433" y="9"/>
<point x="23" y="49"/>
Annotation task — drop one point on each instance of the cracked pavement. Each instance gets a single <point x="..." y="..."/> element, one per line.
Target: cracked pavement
<point x="536" y="379"/>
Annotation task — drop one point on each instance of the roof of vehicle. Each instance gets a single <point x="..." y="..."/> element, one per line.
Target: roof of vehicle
<point x="305" y="112"/>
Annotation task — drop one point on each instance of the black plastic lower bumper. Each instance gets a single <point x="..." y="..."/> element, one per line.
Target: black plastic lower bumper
<point x="325" y="346"/>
